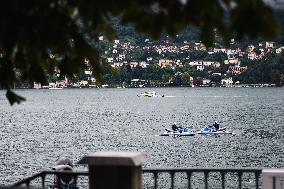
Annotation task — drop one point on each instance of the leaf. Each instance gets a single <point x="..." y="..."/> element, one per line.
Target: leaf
<point x="7" y="74"/>
<point x="14" y="98"/>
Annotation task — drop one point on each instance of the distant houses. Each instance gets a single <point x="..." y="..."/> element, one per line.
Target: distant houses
<point x="164" y="63"/>
<point x="227" y="82"/>
<point x="173" y="56"/>
<point x="200" y="65"/>
<point x="236" y="69"/>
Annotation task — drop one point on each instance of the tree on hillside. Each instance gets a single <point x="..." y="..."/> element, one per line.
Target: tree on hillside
<point x="282" y="79"/>
<point x="39" y="36"/>
<point x="268" y="70"/>
<point x="215" y="79"/>
<point x="185" y="79"/>
<point x="218" y="57"/>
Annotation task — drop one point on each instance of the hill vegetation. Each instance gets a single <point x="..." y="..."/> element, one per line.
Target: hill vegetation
<point x="267" y="70"/>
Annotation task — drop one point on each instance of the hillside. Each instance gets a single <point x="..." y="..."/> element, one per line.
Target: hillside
<point x="139" y="48"/>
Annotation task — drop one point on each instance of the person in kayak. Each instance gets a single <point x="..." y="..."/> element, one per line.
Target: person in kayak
<point x="175" y="127"/>
<point x="216" y="126"/>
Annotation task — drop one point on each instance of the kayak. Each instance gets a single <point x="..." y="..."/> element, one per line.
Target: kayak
<point x="170" y="132"/>
<point x="178" y="134"/>
<point x="207" y="130"/>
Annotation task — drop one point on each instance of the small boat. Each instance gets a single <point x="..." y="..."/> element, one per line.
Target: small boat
<point x="105" y="86"/>
<point x="209" y="131"/>
<point x="181" y="132"/>
<point x="149" y="94"/>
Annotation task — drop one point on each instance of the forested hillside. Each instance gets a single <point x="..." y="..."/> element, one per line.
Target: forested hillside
<point x="267" y="70"/>
<point x="192" y="34"/>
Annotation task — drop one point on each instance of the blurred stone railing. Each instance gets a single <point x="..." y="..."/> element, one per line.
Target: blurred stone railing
<point x="116" y="170"/>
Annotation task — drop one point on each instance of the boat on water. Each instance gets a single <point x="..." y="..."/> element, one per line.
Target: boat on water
<point x="213" y="131"/>
<point x="149" y="94"/>
<point x="181" y="132"/>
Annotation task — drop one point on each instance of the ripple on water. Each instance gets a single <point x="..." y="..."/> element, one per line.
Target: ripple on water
<point x="76" y="122"/>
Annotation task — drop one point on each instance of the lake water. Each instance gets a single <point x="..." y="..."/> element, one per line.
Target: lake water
<point x="75" y="122"/>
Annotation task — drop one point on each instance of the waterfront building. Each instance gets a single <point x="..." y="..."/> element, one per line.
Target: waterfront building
<point x="227" y="81"/>
<point x="206" y="81"/>
<point x="269" y="44"/>
<point x="116" y="64"/>
<point x="163" y="63"/>
<point x="251" y="55"/>
<point x="279" y="50"/>
<point x="37" y="85"/>
<point x="232" y="61"/>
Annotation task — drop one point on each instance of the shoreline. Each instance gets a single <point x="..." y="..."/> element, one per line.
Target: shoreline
<point x="158" y="86"/>
<point x="164" y="86"/>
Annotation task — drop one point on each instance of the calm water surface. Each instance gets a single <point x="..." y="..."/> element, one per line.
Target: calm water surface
<point x="75" y="122"/>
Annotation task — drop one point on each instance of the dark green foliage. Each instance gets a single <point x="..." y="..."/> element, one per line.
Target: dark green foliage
<point x="215" y="78"/>
<point x="14" y="98"/>
<point x="280" y="18"/>
<point x="253" y="13"/>
<point x="39" y="36"/>
<point x="179" y="76"/>
<point x="268" y="70"/>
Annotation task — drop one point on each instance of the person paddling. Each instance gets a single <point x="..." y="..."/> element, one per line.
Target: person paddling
<point x="216" y="126"/>
<point x="175" y="127"/>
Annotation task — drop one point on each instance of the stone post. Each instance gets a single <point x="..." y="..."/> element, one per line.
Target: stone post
<point x="272" y="178"/>
<point x="114" y="170"/>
